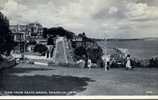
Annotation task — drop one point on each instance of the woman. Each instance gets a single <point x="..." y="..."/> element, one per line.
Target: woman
<point x="106" y="59"/>
<point x="128" y="62"/>
<point x="89" y="64"/>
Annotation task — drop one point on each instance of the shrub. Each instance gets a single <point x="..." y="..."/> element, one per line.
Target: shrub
<point x="136" y="63"/>
<point x="80" y="51"/>
<point x="40" y="48"/>
<point x="1" y="58"/>
<point x="32" y="42"/>
<point x="94" y="54"/>
<point x="153" y="62"/>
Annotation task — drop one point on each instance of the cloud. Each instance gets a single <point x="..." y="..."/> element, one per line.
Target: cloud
<point x="113" y="10"/>
<point x="124" y="19"/>
<point x="142" y="12"/>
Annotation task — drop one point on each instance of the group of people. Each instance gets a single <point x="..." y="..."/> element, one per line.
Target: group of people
<point x="108" y="61"/>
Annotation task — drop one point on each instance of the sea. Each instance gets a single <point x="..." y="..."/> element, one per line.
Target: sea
<point x="138" y="48"/>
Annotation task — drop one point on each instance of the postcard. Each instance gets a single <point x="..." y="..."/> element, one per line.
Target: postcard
<point x="76" y="48"/>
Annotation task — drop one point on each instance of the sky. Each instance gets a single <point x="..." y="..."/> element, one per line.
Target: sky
<point x="97" y="18"/>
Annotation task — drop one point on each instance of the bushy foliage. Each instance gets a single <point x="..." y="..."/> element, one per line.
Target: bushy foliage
<point x="153" y="62"/>
<point x="80" y="52"/>
<point x="6" y="39"/>
<point x="40" y="48"/>
<point x="60" y="31"/>
<point x="51" y="41"/>
<point x="45" y="30"/>
<point x="32" y="42"/>
<point x="95" y="54"/>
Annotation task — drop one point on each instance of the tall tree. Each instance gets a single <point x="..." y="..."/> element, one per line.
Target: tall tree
<point x="6" y="40"/>
<point x="45" y="32"/>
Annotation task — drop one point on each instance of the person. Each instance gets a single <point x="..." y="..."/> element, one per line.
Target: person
<point x="106" y="59"/>
<point x="108" y="62"/>
<point x="128" y="62"/>
<point x="80" y="63"/>
<point x="85" y="57"/>
<point x="89" y="64"/>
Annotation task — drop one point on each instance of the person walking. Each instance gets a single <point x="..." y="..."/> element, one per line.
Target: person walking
<point x="128" y="62"/>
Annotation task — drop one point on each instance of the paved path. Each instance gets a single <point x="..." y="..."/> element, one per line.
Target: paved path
<point x="77" y="81"/>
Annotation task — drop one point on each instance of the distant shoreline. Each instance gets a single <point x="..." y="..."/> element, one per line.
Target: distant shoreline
<point x="138" y="48"/>
<point x="115" y="39"/>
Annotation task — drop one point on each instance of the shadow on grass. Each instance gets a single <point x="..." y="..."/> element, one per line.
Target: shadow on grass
<point x="41" y="85"/>
<point x="23" y="70"/>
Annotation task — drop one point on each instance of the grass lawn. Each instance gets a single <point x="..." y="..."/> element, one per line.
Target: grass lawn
<point x="77" y="81"/>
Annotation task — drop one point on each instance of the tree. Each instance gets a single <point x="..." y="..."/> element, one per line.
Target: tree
<point x="6" y="39"/>
<point x="51" y="41"/>
<point x="40" y="48"/>
<point x="60" y="31"/>
<point x="45" y="32"/>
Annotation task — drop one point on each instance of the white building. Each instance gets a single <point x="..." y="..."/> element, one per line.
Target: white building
<point x="30" y="31"/>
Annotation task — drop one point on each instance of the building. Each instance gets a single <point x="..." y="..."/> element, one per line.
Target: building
<point x="19" y="32"/>
<point x="77" y="38"/>
<point x="18" y="28"/>
<point x="81" y="40"/>
<point x="27" y="32"/>
<point x="77" y="41"/>
<point x="42" y="41"/>
<point x="35" y="30"/>
<point x="18" y="37"/>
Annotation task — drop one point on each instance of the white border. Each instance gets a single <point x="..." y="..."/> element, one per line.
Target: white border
<point x="79" y="97"/>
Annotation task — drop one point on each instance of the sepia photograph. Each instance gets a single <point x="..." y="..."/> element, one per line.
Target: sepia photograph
<point x="78" y="48"/>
